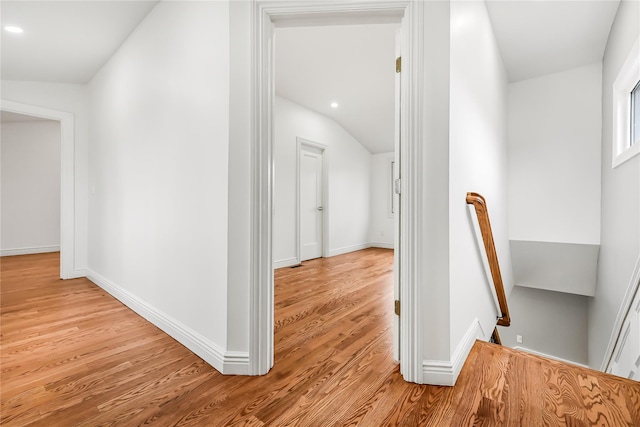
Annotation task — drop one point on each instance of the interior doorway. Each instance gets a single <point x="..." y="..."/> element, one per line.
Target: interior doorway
<point x="30" y="153"/>
<point x="324" y="111"/>
<point x="67" y="177"/>
<point x="265" y="16"/>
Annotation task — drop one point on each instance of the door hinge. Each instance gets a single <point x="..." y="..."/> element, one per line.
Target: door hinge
<point x="397" y="186"/>
<point x="397" y="307"/>
<point x="398" y="64"/>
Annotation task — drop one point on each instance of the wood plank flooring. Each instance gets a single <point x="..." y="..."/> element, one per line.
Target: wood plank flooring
<point x="72" y="355"/>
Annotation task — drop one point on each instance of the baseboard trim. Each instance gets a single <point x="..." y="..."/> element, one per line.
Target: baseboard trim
<point x="289" y="262"/>
<point x="446" y="372"/>
<point x="78" y="273"/>
<point x="30" y="251"/>
<point x="347" y="249"/>
<point x="381" y="245"/>
<point x="226" y="362"/>
<point x="548" y="356"/>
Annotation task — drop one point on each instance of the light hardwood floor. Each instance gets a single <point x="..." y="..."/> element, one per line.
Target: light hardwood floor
<point x="72" y="355"/>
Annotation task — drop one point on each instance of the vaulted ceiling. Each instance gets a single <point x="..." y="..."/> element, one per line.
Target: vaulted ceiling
<point x="351" y="65"/>
<point x="543" y="37"/>
<point x="65" y="41"/>
<point x="68" y="41"/>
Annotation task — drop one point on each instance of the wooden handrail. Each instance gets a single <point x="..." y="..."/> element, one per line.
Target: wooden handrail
<point x="480" y="204"/>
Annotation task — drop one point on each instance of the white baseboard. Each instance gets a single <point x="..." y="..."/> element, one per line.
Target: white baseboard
<point x="445" y="372"/>
<point x="381" y="245"/>
<point x="227" y="362"/>
<point x="347" y="249"/>
<point x="30" y="251"/>
<point x="289" y="262"/>
<point x="548" y="356"/>
<point x="78" y="272"/>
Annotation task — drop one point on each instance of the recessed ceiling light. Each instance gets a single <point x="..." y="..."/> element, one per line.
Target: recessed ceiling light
<point x="14" y="29"/>
<point x="334" y="105"/>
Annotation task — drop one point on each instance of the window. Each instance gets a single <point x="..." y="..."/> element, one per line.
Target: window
<point x="635" y="115"/>
<point x="626" y="109"/>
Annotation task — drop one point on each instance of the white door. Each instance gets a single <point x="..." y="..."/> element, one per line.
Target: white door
<point x="395" y="206"/>
<point x="311" y="202"/>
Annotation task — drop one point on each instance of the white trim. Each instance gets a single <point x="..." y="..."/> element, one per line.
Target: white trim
<point x="261" y="345"/>
<point x="227" y="362"/>
<point x="347" y="249"/>
<point x="325" y="194"/>
<point x="627" y="79"/>
<point x="412" y="208"/>
<point x="392" y="197"/>
<point x="67" y="177"/>
<point x="548" y="356"/>
<point x="79" y="272"/>
<point x="289" y="262"/>
<point x="30" y="251"/>
<point x="381" y="245"/>
<point x="625" y="306"/>
<point x="446" y="372"/>
<point x="261" y="342"/>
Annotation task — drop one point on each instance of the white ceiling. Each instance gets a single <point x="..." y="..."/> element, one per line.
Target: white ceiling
<point x="542" y="37"/>
<point x="65" y="41"/>
<point x="68" y="41"/>
<point x="353" y="65"/>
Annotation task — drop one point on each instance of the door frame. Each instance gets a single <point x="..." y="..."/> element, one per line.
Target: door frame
<point x="300" y="142"/>
<point x="67" y="178"/>
<point x="265" y="15"/>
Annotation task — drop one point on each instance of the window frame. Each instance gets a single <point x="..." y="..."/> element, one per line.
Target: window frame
<point x="635" y="137"/>
<point x="627" y="81"/>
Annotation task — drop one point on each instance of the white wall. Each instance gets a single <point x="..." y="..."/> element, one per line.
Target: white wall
<point x="620" y="227"/>
<point x="349" y="169"/>
<point x="554" y="157"/>
<point x="239" y="186"/>
<point x="381" y="226"/>
<point x="69" y="98"/>
<point x="30" y="153"/>
<point x="159" y="172"/>
<point x="478" y="163"/>
<point x="552" y="323"/>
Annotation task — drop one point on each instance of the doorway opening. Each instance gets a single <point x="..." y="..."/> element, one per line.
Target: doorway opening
<point x="67" y="199"/>
<point x="266" y="17"/>
<point x="334" y="141"/>
<point x="30" y="185"/>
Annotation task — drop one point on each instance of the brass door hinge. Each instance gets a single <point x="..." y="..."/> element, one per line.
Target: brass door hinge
<point x="397" y="307"/>
<point x="398" y="64"/>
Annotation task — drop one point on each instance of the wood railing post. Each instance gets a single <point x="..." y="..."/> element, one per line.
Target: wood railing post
<point x="480" y="205"/>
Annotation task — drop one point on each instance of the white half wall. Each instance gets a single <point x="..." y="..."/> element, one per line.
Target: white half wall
<point x="620" y="235"/>
<point x="30" y="194"/>
<point x="554" y="157"/>
<point x="158" y="159"/>
<point x="381" y="226"/>
<point x="71" y="98"/>
<point x="478" y="163"/>
<point x="561" y="267"/>
<point x="348" y="166"/>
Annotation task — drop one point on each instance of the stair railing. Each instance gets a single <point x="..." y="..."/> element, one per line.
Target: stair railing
<point x="480" y="205"/>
